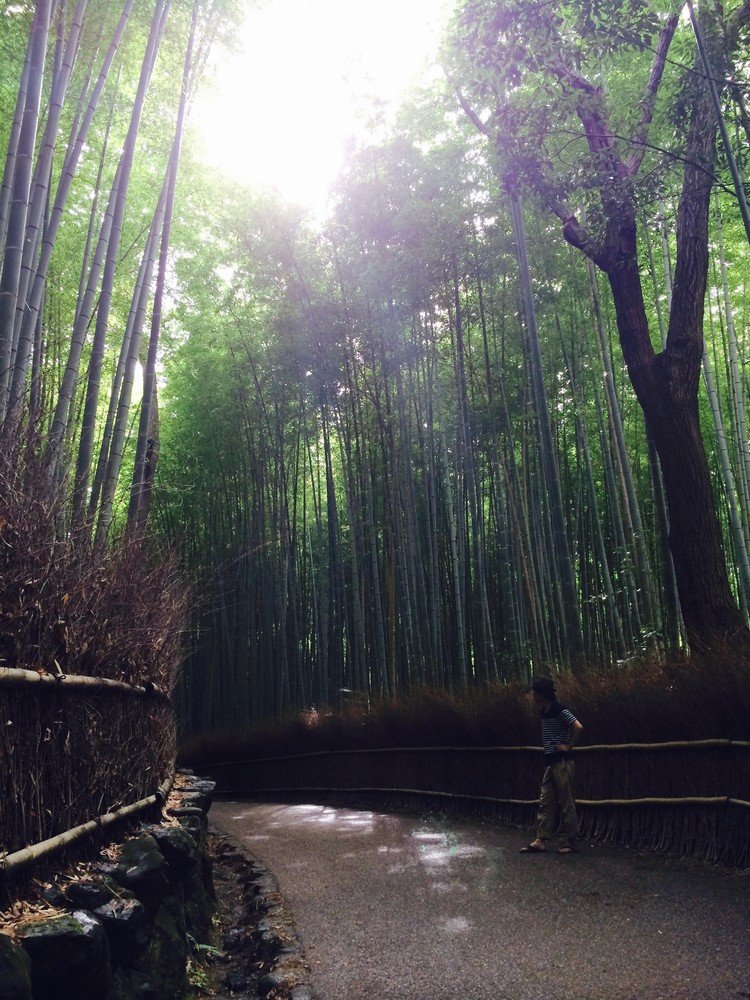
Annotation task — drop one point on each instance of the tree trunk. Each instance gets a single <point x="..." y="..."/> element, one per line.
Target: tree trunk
<point x="666" y="384"/>
<point x="667" y="389"/>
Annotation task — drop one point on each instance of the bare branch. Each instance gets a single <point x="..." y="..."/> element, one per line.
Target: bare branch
<point x="473" y="116"/>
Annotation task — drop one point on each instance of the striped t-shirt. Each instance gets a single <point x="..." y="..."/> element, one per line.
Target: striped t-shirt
<point x="556" y="726"/>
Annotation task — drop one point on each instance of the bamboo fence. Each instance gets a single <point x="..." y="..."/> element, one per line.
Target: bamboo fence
<point x="11" y="863"/>
<point x="75" y="747"/>
<point x="691" y="797"/>
<point x="14" y="677"/>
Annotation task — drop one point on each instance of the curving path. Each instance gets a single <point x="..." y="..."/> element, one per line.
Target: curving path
<point x="429" y="908"/>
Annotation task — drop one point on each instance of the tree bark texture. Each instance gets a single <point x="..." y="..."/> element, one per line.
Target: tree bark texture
<point x="666" y="385"/>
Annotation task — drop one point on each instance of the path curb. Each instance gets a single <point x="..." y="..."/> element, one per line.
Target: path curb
<point x="271" y="930"/>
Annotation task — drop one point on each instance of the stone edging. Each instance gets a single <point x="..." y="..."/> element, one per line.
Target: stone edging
<point x="121" y="928"/>
<point x="267" y="927"/>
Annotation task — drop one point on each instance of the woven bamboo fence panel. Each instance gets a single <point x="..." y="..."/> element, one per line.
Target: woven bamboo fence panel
<point x="69" y="752"/>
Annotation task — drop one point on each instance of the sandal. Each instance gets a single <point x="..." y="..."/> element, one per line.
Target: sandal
<point x="533" y="849"/>
<point x="567" y="849"/>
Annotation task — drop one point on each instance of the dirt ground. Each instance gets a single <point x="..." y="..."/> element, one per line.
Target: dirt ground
<point x="254" y="942"/>
<point x="219" y="971"/>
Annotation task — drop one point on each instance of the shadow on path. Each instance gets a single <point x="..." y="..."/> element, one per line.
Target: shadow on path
<point x="429" y="908"/>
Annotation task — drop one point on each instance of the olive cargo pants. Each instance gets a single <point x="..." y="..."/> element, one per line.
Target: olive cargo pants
<point x="557" y="804"/>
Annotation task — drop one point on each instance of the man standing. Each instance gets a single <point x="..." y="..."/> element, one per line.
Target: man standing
<point x="557" y="806"/>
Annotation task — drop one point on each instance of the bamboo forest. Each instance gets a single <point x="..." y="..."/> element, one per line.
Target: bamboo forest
<point x="482" y="417"/>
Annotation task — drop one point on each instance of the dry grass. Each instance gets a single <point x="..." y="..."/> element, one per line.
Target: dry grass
<point x="116" y="612"/>
<point x="648" y="702"/>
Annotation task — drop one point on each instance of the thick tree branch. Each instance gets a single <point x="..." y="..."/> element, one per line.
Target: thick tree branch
<point x="691" y="265"/>
<point x="593" y="117"/>
<point x="739" y="19"/>
<point x="666" y="35"/>
<point x="577" y="236"/>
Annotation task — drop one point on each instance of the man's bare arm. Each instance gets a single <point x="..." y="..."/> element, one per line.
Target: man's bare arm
<point x="575" y="734"/>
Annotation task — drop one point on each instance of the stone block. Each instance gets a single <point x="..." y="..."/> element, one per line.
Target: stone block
<point x="142" y="868"/>
<point x="165" y="957"/>
<point x="125" y="921"/>
<point x="69" y="957"/>
<point x="15" y="971"/>
<point x="178" y="847"/>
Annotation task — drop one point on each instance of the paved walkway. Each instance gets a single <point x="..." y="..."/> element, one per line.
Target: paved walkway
<point x="424" y="908"/>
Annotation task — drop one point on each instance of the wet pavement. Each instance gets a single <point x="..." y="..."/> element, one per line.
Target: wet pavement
<point x="429" y="908"/>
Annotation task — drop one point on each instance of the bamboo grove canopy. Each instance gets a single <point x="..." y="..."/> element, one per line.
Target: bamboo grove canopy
<point x="454" y="433"/>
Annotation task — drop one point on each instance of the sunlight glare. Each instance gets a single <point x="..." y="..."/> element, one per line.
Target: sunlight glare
<point x="283" y="110"/>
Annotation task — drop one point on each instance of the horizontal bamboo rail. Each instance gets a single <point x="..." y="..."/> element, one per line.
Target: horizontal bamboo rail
<point x="707" y="800"/>
<point x="670" y="745"/>
<point x="15" y="677"/>
<point x="10" y="863"/>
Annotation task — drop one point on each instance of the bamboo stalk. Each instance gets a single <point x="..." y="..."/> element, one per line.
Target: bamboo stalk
<point x="734" y="168"/>
<point x="20" y="191"/>
<point x="16" y="677"/>
<point x="27" y="855"/>
<point x="140" y="494"/>
<point x="561" y="551"/>
<point x="400" y="791"/>
<point x="708" y="800"/>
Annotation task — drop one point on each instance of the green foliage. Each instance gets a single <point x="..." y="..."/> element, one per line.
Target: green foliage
<point x="352" y="478"/>
<point x="324" y="370"/>
<point x="552" y="80"/>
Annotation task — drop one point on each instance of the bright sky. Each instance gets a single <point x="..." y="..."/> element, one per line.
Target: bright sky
<point x="283" y="109"/>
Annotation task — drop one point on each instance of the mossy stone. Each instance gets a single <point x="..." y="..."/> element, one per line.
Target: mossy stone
<point x="165" y="957"/>
<point x="15" y="971"/>
<point x="69" y="957"/>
